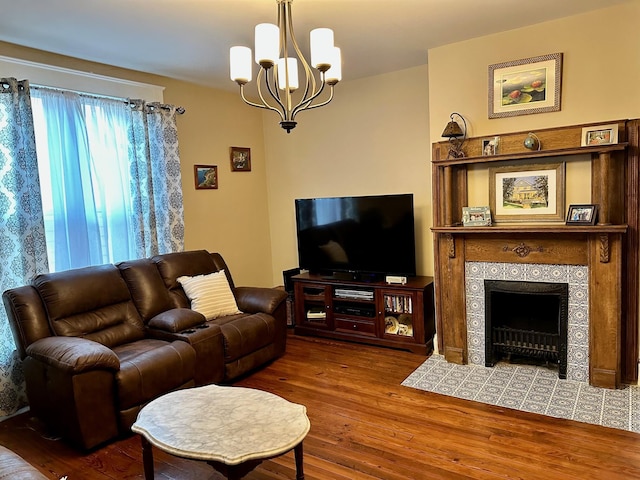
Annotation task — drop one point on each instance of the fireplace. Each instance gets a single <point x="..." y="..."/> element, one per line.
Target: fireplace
<point x="576" y="277"/>
<point x="526" y="320"/>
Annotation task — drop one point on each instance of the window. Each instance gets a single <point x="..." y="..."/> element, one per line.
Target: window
<point x="83" y="161"/>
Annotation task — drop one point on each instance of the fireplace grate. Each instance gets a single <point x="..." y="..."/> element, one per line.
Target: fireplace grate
<point x="526" y="319"/>
<point x="528" y="343"/>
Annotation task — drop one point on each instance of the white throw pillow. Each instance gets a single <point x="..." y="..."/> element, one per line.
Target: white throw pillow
<point x="210" y="294"/>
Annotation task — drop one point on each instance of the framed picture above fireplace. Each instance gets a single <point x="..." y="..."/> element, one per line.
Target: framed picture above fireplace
<point x="530" y="85"/>
<point x="527" y="193"/>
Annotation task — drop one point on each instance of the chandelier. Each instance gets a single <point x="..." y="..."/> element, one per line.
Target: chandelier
<point x="277" y="53"/>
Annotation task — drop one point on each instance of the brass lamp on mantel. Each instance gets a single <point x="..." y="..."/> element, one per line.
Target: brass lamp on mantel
<point x="456" y="136"/>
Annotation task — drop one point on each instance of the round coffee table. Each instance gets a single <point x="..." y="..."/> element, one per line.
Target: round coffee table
<point x="232" y="428"/>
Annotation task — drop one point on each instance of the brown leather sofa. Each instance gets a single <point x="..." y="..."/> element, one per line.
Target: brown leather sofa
<point x="98" y="343"/>
<point x="13" y="466"/>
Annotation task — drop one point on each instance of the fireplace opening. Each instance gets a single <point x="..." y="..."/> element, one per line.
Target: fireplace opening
<point x="526" y="321"/>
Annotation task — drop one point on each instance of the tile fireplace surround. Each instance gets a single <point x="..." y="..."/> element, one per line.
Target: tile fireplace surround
<point x="589" y="261"/>
<point x="577" y="278"/>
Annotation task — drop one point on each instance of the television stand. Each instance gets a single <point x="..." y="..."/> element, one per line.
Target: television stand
<point x="372" y="312"/>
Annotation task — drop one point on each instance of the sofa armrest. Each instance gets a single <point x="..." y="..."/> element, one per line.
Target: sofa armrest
<point x="176" y="320"/>
<point x="14" y="466"/>
<point x="73" y="354"/>
<point x="259" y="299"/>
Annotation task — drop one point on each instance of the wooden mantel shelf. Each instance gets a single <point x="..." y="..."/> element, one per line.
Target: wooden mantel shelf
<point x="499" y="229"/>
<point x="530" y="155"/>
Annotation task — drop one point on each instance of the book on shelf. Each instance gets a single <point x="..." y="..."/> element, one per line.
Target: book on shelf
<point x="398" y="303"/>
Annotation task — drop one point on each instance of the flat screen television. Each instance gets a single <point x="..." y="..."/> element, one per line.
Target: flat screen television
<point x="362" y="237"/>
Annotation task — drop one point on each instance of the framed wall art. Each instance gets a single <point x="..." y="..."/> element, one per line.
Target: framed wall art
<point x="240" y="159"/>
<point x="582" y="215"/>
<point x="521" y="87"/>
<point x="600" y="135"/>
<point x="527" y="193"/>
<point x="206" y="176"/>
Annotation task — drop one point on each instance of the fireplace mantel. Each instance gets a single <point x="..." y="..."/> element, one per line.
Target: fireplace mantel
<point x="609" y="249"/>
<point x="502" y="229"/>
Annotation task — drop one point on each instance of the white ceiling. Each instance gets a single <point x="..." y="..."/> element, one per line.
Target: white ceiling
<point x="190" y="39"/>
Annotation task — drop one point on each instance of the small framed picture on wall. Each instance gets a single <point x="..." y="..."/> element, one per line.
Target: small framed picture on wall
<point x="206" y="176"/>
<point x="240" y="159"/>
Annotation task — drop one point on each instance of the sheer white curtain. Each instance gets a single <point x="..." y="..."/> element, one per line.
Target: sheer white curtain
<point x="83" y="160"/>
<point x="111" y="178"/>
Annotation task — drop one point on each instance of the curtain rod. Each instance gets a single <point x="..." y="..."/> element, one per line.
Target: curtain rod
<point x="179" y="110"/>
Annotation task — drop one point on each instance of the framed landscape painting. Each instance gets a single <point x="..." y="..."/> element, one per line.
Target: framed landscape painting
<point x="521" y="87"/>
<point x="533" y="193"/>
<point x="206" y="176"/>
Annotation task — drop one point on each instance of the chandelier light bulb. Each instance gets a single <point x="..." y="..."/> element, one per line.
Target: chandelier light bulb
<point x="321" y="40"/>
<point x="240" y="64"/>
<point x="288" y="74"/>
<point x="267" y="44"/>
<point x="334" y="74"/>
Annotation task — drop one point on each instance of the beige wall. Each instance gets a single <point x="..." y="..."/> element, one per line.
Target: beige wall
<point x="601" y="67"/>
<point x="372" y="139"/>
<point x="233" y="219"/>
<point x="375" y="136"/>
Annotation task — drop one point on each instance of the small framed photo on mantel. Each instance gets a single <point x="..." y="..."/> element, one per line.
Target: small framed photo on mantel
<point x="582" y="215"/>
<point x="476" y="216"/>
<point x="490" y="146"/>
<point x="600" y="135"/>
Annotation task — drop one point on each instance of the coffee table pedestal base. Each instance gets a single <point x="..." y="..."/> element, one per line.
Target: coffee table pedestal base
<point x="232" y="472"/>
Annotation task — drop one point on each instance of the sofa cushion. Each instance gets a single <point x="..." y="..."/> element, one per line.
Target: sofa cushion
<point x="150" y="368"/>
<point x="147" y="288"/>
<point x="210" y="294"/>
<point x="174" y="265"/>
<point x="244" y="334"/>
<point x="91" y="302"/>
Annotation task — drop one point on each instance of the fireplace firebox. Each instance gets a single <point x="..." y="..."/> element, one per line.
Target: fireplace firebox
<point x="527" y="320"/>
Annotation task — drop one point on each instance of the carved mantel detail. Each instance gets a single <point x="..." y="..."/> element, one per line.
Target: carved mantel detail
<point x="522" y="250"/>
<point x="604" y="248"/>
<point x="451" y="244"/>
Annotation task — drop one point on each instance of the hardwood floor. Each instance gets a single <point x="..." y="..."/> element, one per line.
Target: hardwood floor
<point x="365" y="425"/>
